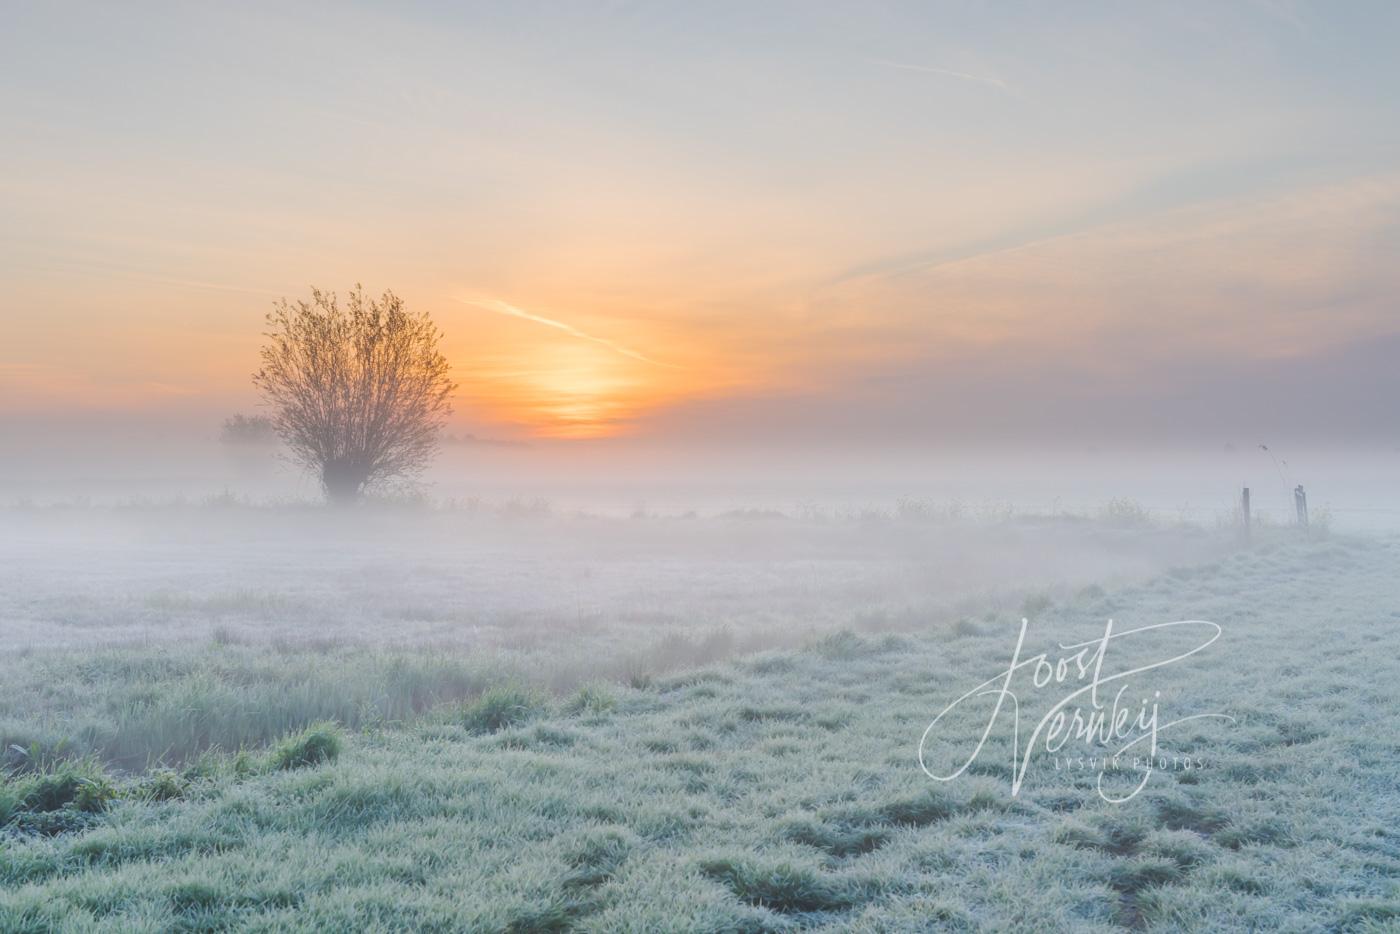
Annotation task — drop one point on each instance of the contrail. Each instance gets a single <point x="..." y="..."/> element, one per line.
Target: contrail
<point x="929" y="70"/>
<point x="506" y="308"/>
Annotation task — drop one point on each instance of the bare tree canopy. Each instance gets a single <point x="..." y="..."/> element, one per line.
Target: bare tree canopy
<point x="358" y="393"/>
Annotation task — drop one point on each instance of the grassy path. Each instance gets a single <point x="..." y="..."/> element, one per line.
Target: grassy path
<point x="783" y="793"/>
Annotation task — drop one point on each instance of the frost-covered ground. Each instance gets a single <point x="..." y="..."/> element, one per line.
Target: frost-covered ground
<point x="146" y="635"/>
<point x="773" y="791"/>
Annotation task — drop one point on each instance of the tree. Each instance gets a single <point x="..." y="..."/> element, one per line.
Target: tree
<point x="249" y="430"/>
<point x="358" y="393"/>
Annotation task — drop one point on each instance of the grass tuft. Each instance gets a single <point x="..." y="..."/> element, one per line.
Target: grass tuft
<point x="163" y="785"/>
<point x="835" y="839"/>
<point x="593" y="699"/>
<point x="81" y="785"/>
<point x="917" y="810"/>
<point x="1263" y="831"/>
<point x="595" y="855"/>
<point x="1131" y="876"/>
<point x="318" y="743"/>
<point x="1177" y="814"/>
<point x="781" y="885"/>
<point x="501" y="707"/>
<point x="843" y="645"/>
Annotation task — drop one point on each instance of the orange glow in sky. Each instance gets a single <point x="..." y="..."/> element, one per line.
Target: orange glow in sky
<point x="622" y="217"/>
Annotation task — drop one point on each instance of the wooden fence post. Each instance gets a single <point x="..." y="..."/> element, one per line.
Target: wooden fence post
<point x="1300" y="501"/>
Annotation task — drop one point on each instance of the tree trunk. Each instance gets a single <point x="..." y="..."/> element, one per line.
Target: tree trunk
<point x="344" y="481"/>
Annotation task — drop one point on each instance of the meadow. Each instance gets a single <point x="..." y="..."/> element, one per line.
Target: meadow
<point x="146" y="635"/>
<point x="501" y="721"/>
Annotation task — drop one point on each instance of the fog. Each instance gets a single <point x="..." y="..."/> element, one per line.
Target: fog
<point x="125" y="463"/>
<point x="566" y="561"/>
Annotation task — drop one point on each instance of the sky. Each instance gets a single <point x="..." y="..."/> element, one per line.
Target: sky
<point x="873" y="220"/>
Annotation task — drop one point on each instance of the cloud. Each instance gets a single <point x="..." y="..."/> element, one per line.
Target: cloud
<point x="1270" y="313"/>
<point x="1009" y="393"/>
<point x="1283" y="274"/>
<point x="506" y="308"/>
<point x="946" y="72"/>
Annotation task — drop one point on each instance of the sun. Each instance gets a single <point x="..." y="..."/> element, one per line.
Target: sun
<point x="563" y="389"/>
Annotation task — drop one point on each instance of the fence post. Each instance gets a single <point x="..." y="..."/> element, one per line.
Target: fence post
<point x="1244" y="505"/>
<point x="1300" y="500"/>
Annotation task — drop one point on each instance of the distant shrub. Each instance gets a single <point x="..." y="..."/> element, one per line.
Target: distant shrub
<point x="1126" y="512"/>
<point x="753" y="514"/>
<point x="245" y="429"/>
<point x="527" y="509"/>
<point x="318" y="743"/>
<point x="501" y="707"/>
<point x="913" y="510"/>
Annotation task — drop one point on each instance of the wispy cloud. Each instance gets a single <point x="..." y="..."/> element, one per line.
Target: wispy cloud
<point x="506" y="308"/>
<point x="997" y="83"/>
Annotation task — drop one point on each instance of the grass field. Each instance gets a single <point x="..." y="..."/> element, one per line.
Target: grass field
<point x="782" y="791"/>
<point x="146" y="636"/>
